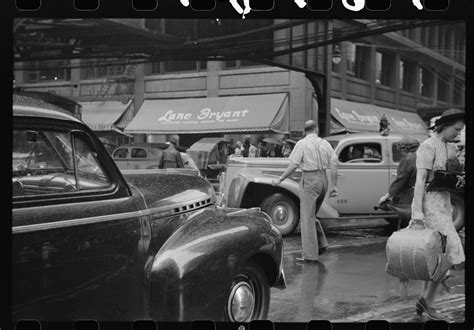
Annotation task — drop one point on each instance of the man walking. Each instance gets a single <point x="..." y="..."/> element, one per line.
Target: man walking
<point x="313" y="155"/>
<point x="171" y="158"/>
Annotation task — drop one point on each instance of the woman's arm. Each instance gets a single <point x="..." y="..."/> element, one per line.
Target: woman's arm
<point x="417" y="204"/>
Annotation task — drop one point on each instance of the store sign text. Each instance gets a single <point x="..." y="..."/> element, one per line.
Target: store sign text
<point x="204" y="114"/>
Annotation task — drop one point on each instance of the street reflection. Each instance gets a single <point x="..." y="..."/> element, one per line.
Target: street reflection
<point x="313" y="276"/>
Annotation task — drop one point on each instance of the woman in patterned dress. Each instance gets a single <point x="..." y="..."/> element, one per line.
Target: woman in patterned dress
<point x="434" y="207"/>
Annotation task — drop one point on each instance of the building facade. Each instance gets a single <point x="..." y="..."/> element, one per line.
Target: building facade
<point x="409" y="70"/>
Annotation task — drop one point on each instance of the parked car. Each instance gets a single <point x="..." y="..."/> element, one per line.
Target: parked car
<point x="367" y="166"/>
<point x="92" y="242"/>
<point x="145" y="156"/>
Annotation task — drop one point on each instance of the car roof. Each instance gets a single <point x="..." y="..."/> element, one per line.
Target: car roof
<point x="29" y="107"/>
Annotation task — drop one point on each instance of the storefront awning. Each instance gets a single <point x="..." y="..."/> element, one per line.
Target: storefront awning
<point x="107" y="115"/>
<point x="267" y="112"/>
<point x="364" y="117"/>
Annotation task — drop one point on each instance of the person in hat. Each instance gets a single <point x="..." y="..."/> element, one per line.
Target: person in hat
<point x="401" y="189"/>
<point x="433" y="208"/>
<point x="313" y="155"/>
<point x="288" y="145"/>
<point x="171" y="157"/>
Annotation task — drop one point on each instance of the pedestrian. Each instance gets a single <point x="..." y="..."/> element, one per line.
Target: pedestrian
<point x="313" y="155"/>
<point x="238" y="149"/>
<point x="433" y="208"/>
<point x="171" y="157"/>
<point x="246" y="147"/>
<point x="287" y="148"/>
<point x="401" y="189"/>
<point x="252" y="150"/>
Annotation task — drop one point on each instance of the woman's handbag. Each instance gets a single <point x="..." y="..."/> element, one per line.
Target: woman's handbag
<point x="447" y="180"/>
<point x="417" y="253"/>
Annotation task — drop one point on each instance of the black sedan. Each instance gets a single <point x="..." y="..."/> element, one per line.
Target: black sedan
<point x="91" y="242"/>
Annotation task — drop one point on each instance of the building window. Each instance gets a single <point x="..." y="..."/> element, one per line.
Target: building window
<point x="426" y="82"/>
<point x="178" y="66"/>
<point x="350" y="57"/>
<point x="49" y="71"/>
<point x="239" y="64"/>
<point x="384" y="69"/>
<point x="363" y="63"/>
<point x="443" y="88"/>
<point x="358" y="60"/>
<point x="408" y="76"/>
<point x="432" y="37"/>
<point x="458" y="97"/>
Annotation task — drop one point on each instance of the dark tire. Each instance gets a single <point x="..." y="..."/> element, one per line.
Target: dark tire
<point x="283" y="211"/>
<point x="457" y="202"/>
<point x="251" y="279"/>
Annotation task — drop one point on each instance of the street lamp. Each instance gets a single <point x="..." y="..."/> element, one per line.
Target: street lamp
<point x="336" y="55"/>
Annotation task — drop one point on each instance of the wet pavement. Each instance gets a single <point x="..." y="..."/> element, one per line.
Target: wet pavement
<point x="349" y="284"/>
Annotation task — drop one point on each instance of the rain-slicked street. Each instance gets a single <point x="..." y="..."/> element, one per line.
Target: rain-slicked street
<point x="350" y="284"/>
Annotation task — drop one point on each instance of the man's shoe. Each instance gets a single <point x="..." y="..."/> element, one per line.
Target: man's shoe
<point x="322" y="250"/>
<point x="309" y="261"/>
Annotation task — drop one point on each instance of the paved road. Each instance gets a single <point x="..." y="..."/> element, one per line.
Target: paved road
<point x="350" y="284"/>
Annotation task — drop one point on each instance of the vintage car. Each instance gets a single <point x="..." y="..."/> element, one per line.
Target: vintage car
<point x="367" y="166"/>
<point x="91" y="242"/>
<point x="145" y="156"/>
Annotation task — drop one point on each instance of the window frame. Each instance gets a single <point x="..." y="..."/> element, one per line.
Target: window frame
<point x="73" y="196"/>
<point x="351" y="144"/>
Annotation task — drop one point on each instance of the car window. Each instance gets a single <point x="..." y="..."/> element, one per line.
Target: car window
<point x="139" y="153"/>
<point x="121" y="153"/>
<point x="366" y="152"/>
<point x="53" y="162"/>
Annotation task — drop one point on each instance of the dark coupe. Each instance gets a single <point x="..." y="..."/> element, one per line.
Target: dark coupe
<point x="90" y="242"/>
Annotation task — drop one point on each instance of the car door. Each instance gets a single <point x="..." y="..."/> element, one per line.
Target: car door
<point x="363" y="175"/>
<point x="77" y="234"/>
<point x="140" y="158"/>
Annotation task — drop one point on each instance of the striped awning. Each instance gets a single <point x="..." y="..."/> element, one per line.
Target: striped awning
<point x="250" y="113"/>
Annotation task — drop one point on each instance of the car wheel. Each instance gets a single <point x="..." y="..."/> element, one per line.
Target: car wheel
<point x="457" y="203"/>
<point x="249" y="295"/>
<point x="283" y="211"/>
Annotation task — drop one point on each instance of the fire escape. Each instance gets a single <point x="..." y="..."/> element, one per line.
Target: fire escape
<point x="127" y="75"/>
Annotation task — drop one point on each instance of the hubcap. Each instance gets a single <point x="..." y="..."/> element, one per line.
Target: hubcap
<point x="241" y="302"/>
<point x="281" y="213"/>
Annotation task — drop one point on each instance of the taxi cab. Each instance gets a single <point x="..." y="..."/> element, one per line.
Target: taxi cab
<point x="367" y="165"/>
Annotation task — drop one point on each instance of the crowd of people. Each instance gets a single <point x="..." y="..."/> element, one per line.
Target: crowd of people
<point x="262" y="148"/>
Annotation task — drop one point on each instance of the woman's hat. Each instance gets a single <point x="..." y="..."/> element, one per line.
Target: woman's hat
<point x="290" y="141"/>
<point x="448" y="116"/>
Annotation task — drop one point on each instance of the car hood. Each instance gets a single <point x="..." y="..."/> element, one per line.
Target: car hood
<point x="169" y="186"/>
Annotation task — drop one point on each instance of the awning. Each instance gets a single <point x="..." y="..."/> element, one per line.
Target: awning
<point x="107" y="115"/>
<point x="364" y="117"/>
<point x="267" y="112"/>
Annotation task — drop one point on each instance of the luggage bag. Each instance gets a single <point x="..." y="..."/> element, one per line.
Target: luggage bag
<point x="418" y="254"/>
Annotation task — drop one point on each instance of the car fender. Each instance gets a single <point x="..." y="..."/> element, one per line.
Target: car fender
<point x="191" y="273"/>
<point x="239" y="185"/>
